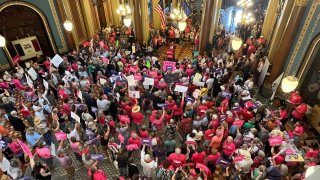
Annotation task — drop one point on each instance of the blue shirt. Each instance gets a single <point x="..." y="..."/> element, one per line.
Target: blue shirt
<point x="33" y="138"/>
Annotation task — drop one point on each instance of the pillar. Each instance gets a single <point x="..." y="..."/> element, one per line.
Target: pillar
<point x="137" y="20"/>
<point x="278" y="31"/>
<point x="86" y="10"/>
<point x="108" y="12"/>
<point x="145" y="20"/>
<point x="215" y="19"/>
<point x="269" y="19"/>
<point x="206" y="22"/>
<point x="287" y="38"/>
<point x="116" y="17"/>
<point x="156" y="18"/>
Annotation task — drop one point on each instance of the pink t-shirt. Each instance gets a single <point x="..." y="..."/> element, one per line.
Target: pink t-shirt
<point x="177" y="160"/>
<point x="298" y="130"/>
<point x="198" y="157"/>
<point x="228" y="148"/>
<point x="75" y="147"/>
<point x="44" y="152"/>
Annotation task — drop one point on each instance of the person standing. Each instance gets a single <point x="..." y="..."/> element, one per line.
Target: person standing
<point x="17" y="124"/>
<point x="66" y="163"/>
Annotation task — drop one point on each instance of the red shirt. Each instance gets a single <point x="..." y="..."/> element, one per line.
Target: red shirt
<point x="247" y="115"/>
<point x="170" y="105"/>
<point x="228" y="148"/>
<point x="177" y="160"/>
<point x="171" y="34"/>
<point x="25" y="112"/>
<point x="198" y="157"/>
<point x="144" y="134"/>
<point x="178" y="111"/>
<point x="279" y="159"/>
<point x="186" y="125"/>
<point x="208" y="134"/>
<point x="66" y="108"/>
<point x="202" y="110"/>
<point x="134" y="141"/>
<point x="214" y="157"/>
<point x="137" y="117"/>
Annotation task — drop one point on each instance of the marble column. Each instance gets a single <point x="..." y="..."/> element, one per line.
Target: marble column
<point x="109" y="12"/>
<point x="215" y="20"/>
<point x="287" y="38"/>
<point x="269" y="19"/>
<point x="144" y="20"/>
<point x="116" y="17"/>
<point x="278" y="31"/>
<point x="206" y="22"/>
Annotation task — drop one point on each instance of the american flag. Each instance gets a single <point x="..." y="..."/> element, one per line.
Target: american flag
<point x="159" y="8"/>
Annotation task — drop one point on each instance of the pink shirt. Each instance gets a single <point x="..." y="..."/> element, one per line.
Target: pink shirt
<point x="75" y="147"/>
<point x="170" y="105"/>
<point x="177" y="160"/>
<point x="44" y="152"/>
<point x="17" y="84"/>
<point x="298" y="130"/>
<point x="228" y="148"/>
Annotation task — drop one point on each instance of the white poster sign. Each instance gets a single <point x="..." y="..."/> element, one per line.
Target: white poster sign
<point x="275" y="86"/>
<point x="131" y="81"/>
<point x="134" y="94"/>
<point x="75" y="117"/>
<point x="27" y="47"/>
<point x="182" y="89"/>
<point x="56" y="60"/>
<point x="32" y="73"/>
<point x="148" y="81"/>
<point x="102" y="81"/>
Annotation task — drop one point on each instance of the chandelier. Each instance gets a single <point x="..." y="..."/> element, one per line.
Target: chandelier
<point x="177" y="14"/>
<point x="124" y="11"/>
<point x="245" y="3"/>
<point x="247" y="18"/>
<point x="236" y="43"/>
<point x="289" y="84"/>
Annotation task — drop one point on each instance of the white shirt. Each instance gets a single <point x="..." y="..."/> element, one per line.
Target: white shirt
<point x="198" y="134"/>
<point x="103" y="104"/>
<point x="74" y="134"/>
<point x="147" y="167"/>
<point x="4" y="164"/>
<point x="209" y="83"/>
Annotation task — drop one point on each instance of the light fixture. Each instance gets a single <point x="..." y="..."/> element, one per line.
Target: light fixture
<point x="68" y="25"/>
<point x="127" y="21"/>
<point x="2" y="41"/>
<point x="123" y="9"/>
<point x="245" y="3"/>
<point x="236" y="43"/>
<point x="182" y="25"/>
<point x="177" y="14"/>
<point x="289" y="84"/>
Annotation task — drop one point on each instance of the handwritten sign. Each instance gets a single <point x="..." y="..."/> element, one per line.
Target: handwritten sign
<point x="275" y="141"/>
<point x="60" y="136"/>
<point x="197" y="77"/>
<point x="182" y="89"/>
<point x="146" y="141"/>
<point x="169" y="65"/>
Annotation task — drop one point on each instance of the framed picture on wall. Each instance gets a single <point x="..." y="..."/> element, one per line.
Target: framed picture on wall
<point x="27" y="48"/>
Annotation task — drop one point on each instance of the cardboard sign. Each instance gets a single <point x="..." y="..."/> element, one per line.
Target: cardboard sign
<point x="169" y="65"/>
<point x="238" y="123"/>
<point x="148" y="81"/>
<point x="198" y="83"/>
<point x="97" y="157"/>
<point x="134" y="94"/>
<point x="60" y="136"/>
<point x="131" y="147"/>
<point x="146" y="141"/>
<point x="75" y="117"/>
<point x="275" y="141"/>
<point x="56" y="60"/>
<point x="32" y="73"/>
<point x="182" y="89"/>
<point x="131" y="81"/>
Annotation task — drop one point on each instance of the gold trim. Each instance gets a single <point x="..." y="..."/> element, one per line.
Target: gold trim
<point x="301" y="36"/>
<point x="57" y="22"/>
<point x="43" y="17"/>
<point x="301" y="2"/>
<point x="82" y="23"/>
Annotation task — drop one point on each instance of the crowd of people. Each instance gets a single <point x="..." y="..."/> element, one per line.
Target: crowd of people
<point x="183" y="121"/>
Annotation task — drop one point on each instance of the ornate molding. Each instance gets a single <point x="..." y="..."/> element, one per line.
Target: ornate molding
<point x="301" y="2"/>
<point x="57" y="22"/>
<point x="39" y="12"/>
<point x="302" y="35"/>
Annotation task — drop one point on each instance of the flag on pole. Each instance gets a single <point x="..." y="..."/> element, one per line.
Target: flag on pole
<point x="186" y="8"/>
<point x="160" y="10"/>
<point x="275" y="86"/>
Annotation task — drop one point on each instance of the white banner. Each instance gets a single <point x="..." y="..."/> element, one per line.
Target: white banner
<point x="27" y="47"/>
<point x="275" y="86"/>
<point x="263" y="73"/>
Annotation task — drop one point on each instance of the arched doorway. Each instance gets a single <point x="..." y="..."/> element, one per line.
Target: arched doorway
<point x="20" y="20"/>
<point x="309" y="74"/>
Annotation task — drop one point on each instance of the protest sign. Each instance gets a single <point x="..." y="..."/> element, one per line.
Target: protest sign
<point x="153" y="73"/>
<point x="60" y="136"/>
<point x="32" y="73"/>
<point x="198" y="83"/>
<point x="16" y="59"/>
<point x="238" y="158"/>
<point x="134" y="94"/>
<point x="56" y="60"/>
<point x="238" y="123"/>
<point x="131" y="81"/>
<point x="275" y="141"/>
<point x="169" y="65"/>
<point x="171" y="78"/>
<point x="182" y="89"/>
<point x="146" y="141"/>
<point x="97" y="157"/>
<point x="148" y="81"/>
<point x="160" y="105"/>
<point x="197" y="77"/>
<point x="131" y="147"/>
<point x="75" y="117"/>
<point x="137" y="77"/>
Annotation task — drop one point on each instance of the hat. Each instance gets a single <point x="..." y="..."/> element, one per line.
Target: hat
<point x="37" y="121"/>
<point x="136" y="109"/>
